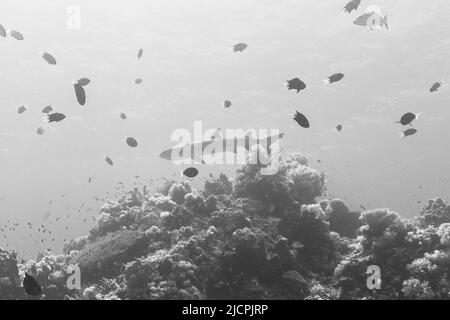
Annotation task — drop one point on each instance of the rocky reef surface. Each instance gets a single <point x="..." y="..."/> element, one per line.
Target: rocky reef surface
<point x="255" y="237"/>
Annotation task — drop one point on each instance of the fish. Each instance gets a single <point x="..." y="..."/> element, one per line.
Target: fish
<point x="109" y="161"/>
<point x="409" y="132"/>
<point x="339" y="127"/>
<point x="83" y="81"/>
<point x="301" y="120"/>
<point x="123" y="116"/>
<point x="352" y="5"/>
<point x="295" y="84"/>
<point x="239" y="47"/>
<point x="16" y="35"/>
<point x="334" y="78"/>
<point x="80" y="93"/>
<point x="40" y="131"/>
<point x="222" y="145"/>
<point x="49" y="58"/>
<point x="21" y="109"/>
<point x="90" y="179"/>
<point x="132" y="142"/>
<point x="372" y="20"/>
<point x="138" y="81"/>
<point x="140" y="53"/>
<point x="2" y="31"/>
<point x="190" y="172"/>
<point x="56" y="117"/>
<point x="435" y="87"/>
<point x="47" y="109"/>
<point x="408" y="118"/>
<point x="227" y="104"/>
<point x="31" y="286"/>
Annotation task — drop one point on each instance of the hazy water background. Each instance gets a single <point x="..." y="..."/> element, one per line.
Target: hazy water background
<point x="188" y="70"/>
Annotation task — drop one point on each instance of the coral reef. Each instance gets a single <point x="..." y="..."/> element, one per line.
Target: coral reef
<point x="260" y="237"/>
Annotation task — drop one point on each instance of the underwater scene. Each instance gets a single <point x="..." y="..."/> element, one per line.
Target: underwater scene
<point x="224" y="150"/>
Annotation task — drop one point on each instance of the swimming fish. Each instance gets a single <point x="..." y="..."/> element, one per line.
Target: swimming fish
<point x="131" y="142"/>
<point x="352" y="5"/>
<point x="123" y="116"/>
<point x="21" y="109"/>
<point x="140" y="53"/>
<point x="239" y="47"/>
<point x="56" y="117"/>
<point x="372" y="20"/>
<point x="31" y="286"/>
<point x="138" y="81"/>
<point x="198" y="150"/>
<point x="190" y="172"/>
<point x="80" y="94"/>
<point x="409" y="132"/>
<point x="334" y="78"/>
<point x="2" y="31"/>
<point x="83" y="82"/>
<point x="40" y="131"/>
<point x="47" y="109"/>
<point x="49" y="58"/>
<point x="339" y="127"/>
<point x="435" y="87"/>
<point x="408" y="118"/>
<point x="16" y="35"/>
<point x="301" y="120"/>
<point x="227" y="104"/>
<point x="295" y="84"/>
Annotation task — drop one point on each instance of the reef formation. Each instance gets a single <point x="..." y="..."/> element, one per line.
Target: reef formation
<point x="255" y="237"/>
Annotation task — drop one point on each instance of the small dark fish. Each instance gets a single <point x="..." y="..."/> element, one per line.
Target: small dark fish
<point x="352" y="5"/>
<point x="296" y="84"/>
<point x="83" y="82"/>
<point x="56" y="117"/>
<point x="301" y="120"/>
<point x="372" y="20"/>
<point x="90" y="179"/>
<point x="334" y="78"/>
<point x="190" y="172"/>
<point x="362" y="207"/>
<point x="239" y="47"/>
<point x="47" y="109"/>
<point x="409" y="132"/>
<point x="131" y="142"/>
<point x="40" y="131"/>
<point x="2" y="31"/>
<point x="31" y="286"/>
<point x="435" y="87"/>
<point x="16" y="35"/>
<point x="140" y="53"/>
<point x="109" y="161"/>
<point x="123" y="116"/>
<point x="21" y="109"/>
<point x="408" y="118"/>
<point x="49" y="58"/>
<point x="227" y="104"/>
<point x="138" y="81"/>
<point x="80" y="94"/>
<point x="339" y="127"/>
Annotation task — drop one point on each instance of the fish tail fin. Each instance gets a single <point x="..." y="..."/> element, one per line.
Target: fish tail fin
<point x="326" y="81"/>
<point x="46" y="118"/>
<point x="386" y="22"/>
<point x="403" y="135"/>
<point x="418" y="115"/>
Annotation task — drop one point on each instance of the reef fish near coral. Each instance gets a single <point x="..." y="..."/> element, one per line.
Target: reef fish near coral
<point x="239" y="47"/>
<point x="334" y="78"/>
<point x="409" y="132"/>
<point x="295" y="84"/>
<point x="2" y="31"/>
<point x="190" y="172"/>
<point x="301" y="119"/>
<point x="352" y="5"/>
<point x="49" y="58"/>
